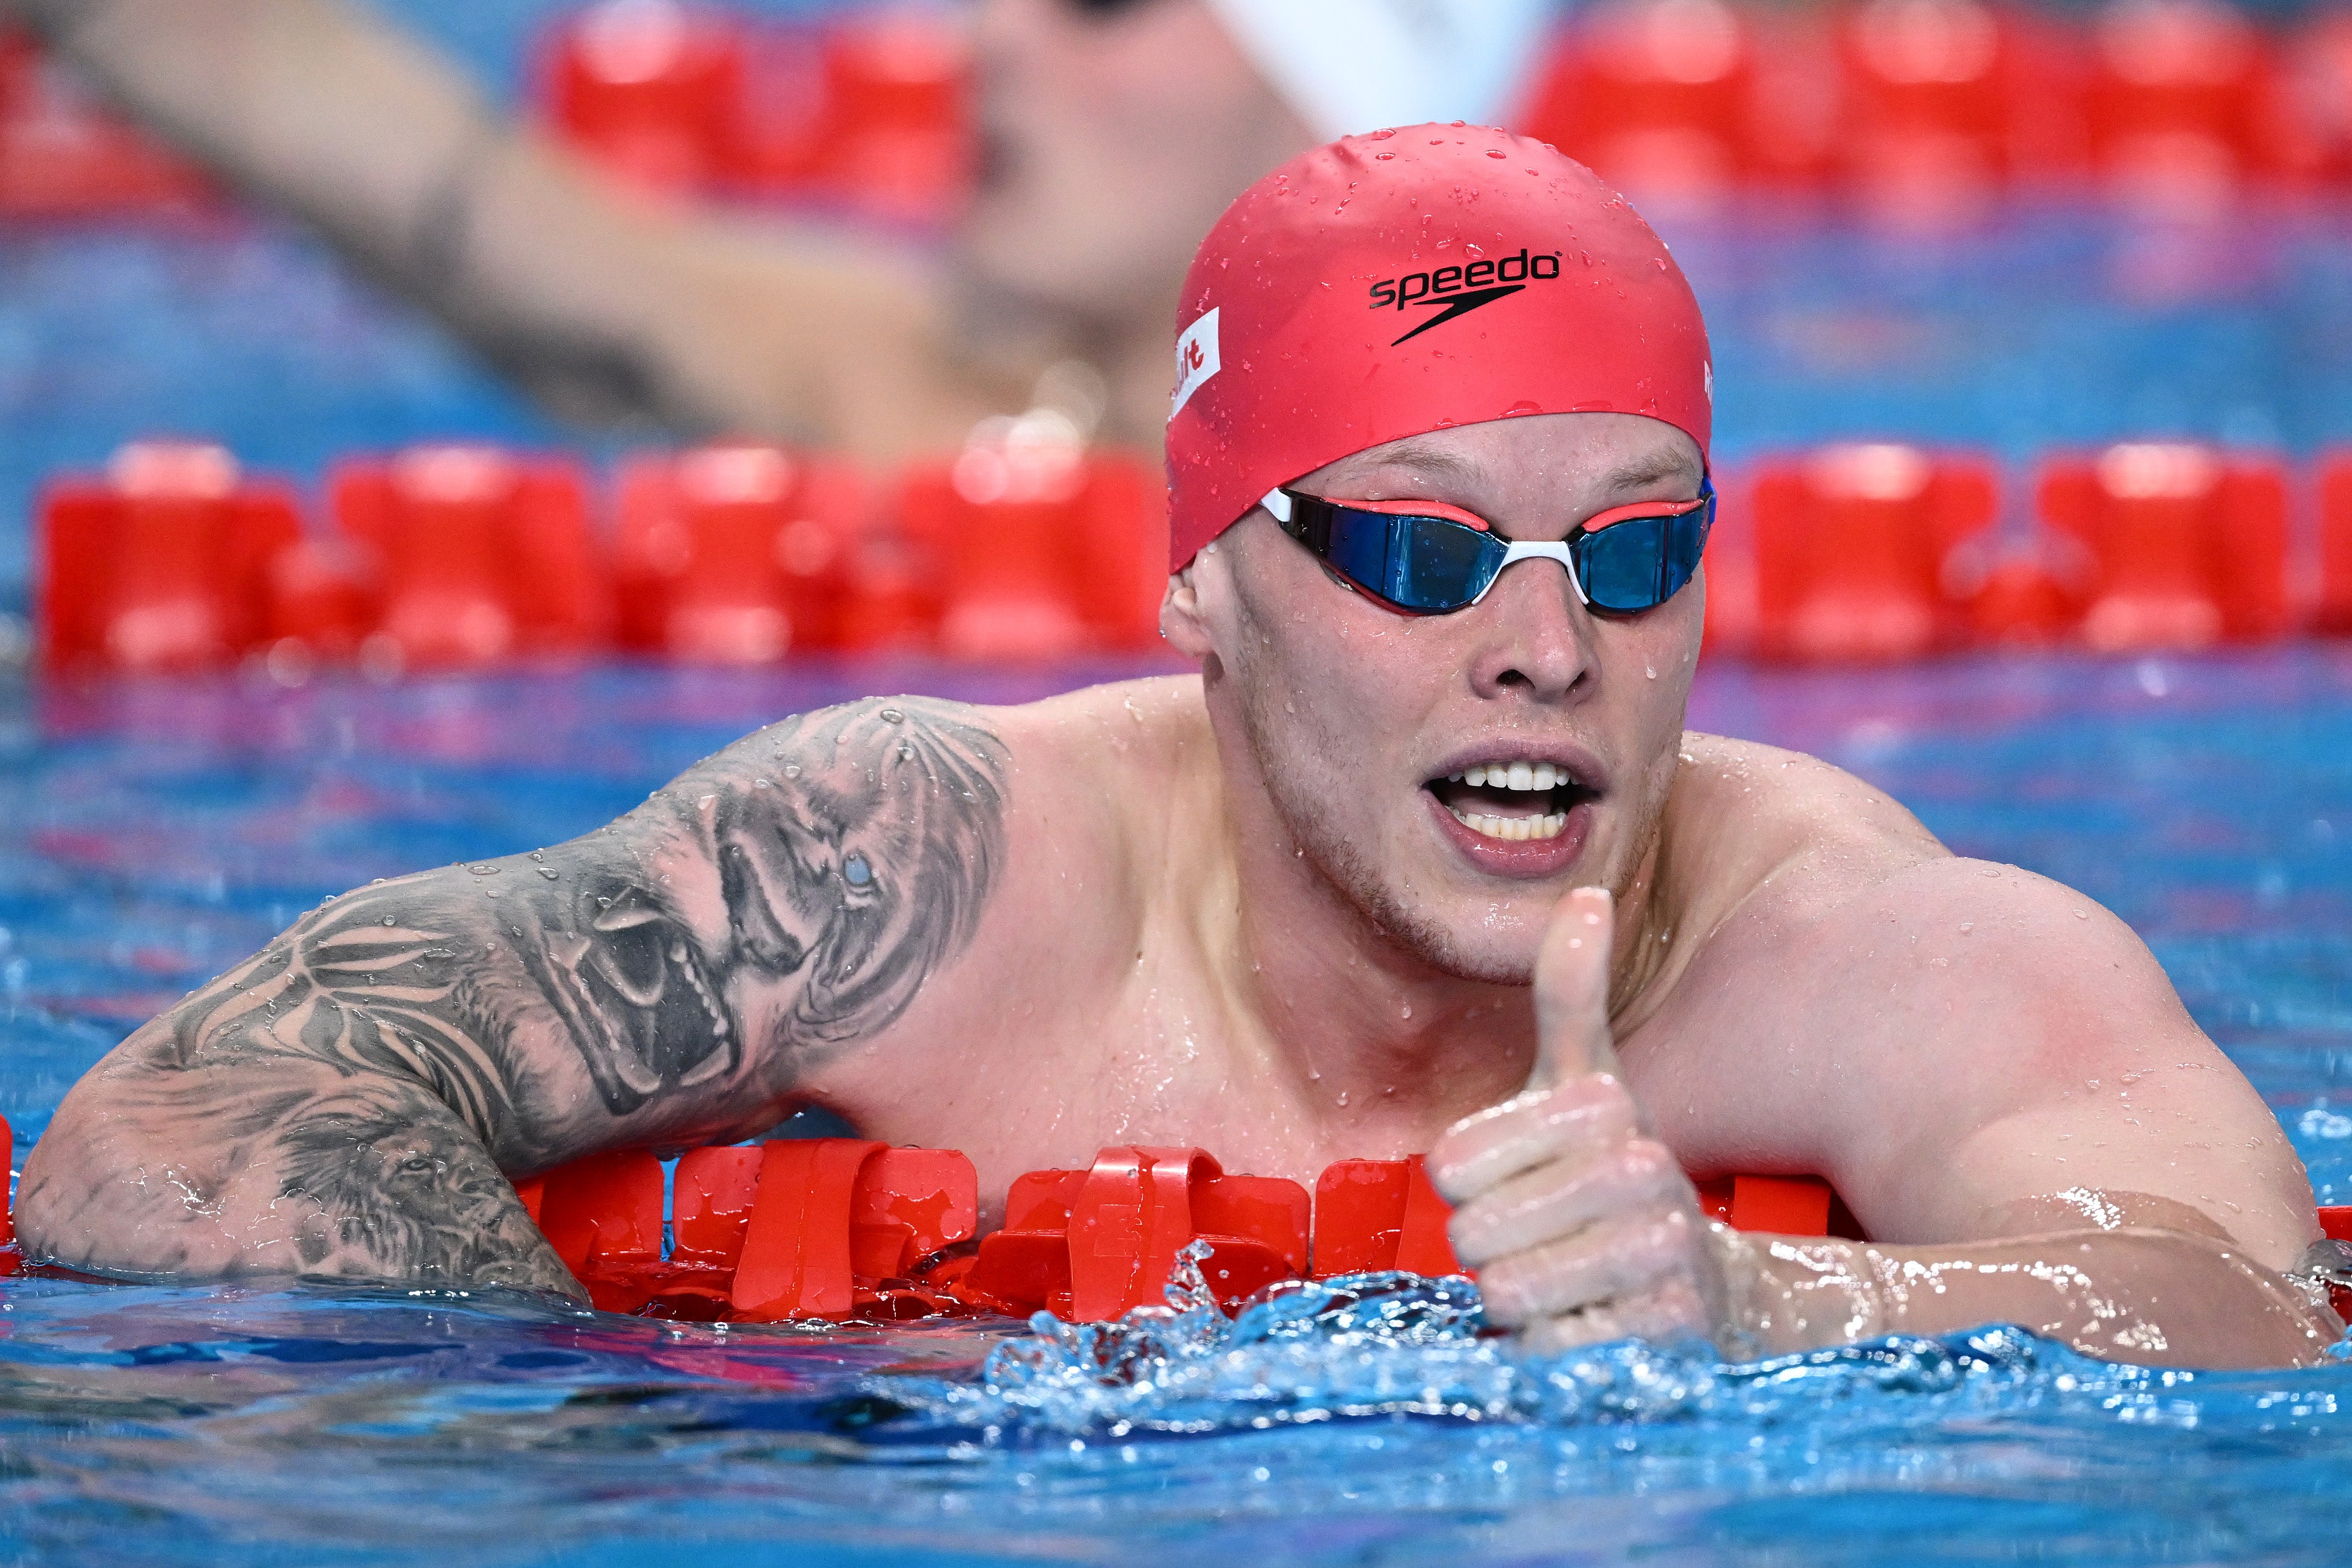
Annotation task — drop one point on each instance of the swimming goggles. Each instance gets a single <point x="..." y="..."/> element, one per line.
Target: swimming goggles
<point x="1423" y="557"/>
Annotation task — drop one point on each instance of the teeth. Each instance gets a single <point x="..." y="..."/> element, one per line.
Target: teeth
<point x="1517" y="829"/>
<point x="1513" y="775"/>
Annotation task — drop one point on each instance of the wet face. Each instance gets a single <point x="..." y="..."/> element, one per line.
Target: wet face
<point x="1452" y="776"/>
<point x="1112" y="137"/>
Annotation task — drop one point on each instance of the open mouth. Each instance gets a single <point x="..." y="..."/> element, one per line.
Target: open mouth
<point x="1515" y="801"/>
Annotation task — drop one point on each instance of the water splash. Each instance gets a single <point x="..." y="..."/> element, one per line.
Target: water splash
<point x="1400" y="1344"/>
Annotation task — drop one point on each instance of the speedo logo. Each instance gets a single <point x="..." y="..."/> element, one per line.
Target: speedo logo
<point x="1459" y="290"/>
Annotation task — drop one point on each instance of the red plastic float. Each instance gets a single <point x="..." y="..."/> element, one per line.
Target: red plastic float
<point x="1852" y="544"/>
<point x="847" y="1228"/>
<point x="850" y="1228"/>
<point x="735" y="553"/>
<point x="2184" y="104"/>
<point x="1946" y="103"/>
<point x="2188" y="543"/>
<point x="896" y="129"/>
<point x="11" y="1260"/>
<point x="650" y="90"/>
<point x="843" y="1229"/>
<point x="483" y="554"/>
<point x="158" y="565"/>
<point x="869" y="111"/>
<point x="1042" y="549"/>
<point x="1026" y="545"/>
<point x="2335" y="1223"/>
<point x="1655" y="96"/>
<point x="63" y="157"/>
<point x="2333" y="614"/>
<point x="1380" y="1214"/>
<point x="1091" y="1244"/>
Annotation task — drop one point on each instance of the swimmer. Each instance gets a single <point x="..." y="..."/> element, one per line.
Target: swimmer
<point x="1113" y="133"/>
<point x="1422" y="860"/>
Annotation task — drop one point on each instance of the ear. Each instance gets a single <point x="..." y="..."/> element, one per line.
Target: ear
<point x="1183" y="620"/>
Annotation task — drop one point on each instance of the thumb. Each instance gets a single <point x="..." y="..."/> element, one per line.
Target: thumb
<point x="1572" y="990"/>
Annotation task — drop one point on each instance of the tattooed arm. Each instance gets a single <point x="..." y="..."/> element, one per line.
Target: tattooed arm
<point x="348" y="1103"/>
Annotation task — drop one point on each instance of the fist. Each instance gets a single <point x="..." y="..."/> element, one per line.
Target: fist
<point x="1579" y="1222"/>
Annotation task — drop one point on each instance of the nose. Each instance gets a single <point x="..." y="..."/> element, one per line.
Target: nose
<point x="1533" y="637"/>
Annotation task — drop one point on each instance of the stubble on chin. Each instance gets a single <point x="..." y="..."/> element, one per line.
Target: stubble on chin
<point x="1315" y="817"/>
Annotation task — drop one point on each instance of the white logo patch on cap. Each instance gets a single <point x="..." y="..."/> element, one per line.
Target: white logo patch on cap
<point x="1196" y="361"/>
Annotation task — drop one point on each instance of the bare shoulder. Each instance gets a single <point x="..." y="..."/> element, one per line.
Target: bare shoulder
<point x="1107" y="795"/>
<point x="1747" y="823"/>
<point x="1790" y="854"/>
<point x="1041" y="802"/>
<point x="1124" y="775"/>
<point x="1957" y="1044"/>
<point x="1122" y="727"/>
<point x="1805" y="890"/>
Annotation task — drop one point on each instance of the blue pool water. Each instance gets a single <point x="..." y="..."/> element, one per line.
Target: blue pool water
<point x="149" y="834"/>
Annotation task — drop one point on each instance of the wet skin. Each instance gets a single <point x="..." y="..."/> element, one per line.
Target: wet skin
<point x="1240" y="910"/>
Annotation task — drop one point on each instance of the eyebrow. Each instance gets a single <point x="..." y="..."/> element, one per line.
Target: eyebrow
<point x="1434" y="461"/>
<point x="1666" y="464"/>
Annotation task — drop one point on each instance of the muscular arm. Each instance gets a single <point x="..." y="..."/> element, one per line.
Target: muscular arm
<point x="1993" y="1071"/>
<point x="2155" y="1283"/>
<point x="602" y="305"/>
<point x="1999" y="1078"/>
<point x="348" y="1102"/>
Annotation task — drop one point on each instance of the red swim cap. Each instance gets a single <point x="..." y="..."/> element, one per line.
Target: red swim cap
<point x="1406" y="281"/>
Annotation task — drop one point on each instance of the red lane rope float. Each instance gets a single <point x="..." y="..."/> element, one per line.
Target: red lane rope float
<point x="1090" y="1244"/>
<point x="2336" y="1223"/>
<point x="851" y="1229"/>
<point x="1024" y="546"/>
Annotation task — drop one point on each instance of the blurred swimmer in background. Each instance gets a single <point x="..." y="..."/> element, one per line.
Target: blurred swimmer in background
<point x="1114" y="133"/>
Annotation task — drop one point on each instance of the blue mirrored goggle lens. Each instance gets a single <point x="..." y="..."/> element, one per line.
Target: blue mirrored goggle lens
<point x="1433" y="565"/>
<point x="1425" y="564"/>
<point x="1641" y="562"/>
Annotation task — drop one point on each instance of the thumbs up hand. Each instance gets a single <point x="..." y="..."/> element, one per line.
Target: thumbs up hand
<point x="1579" y="1222"/>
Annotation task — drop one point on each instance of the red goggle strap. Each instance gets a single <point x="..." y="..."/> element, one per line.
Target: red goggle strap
<point x="1599" y="520"/>
<point x="1592" y="525"/>
<point x="1408" y="509"/>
